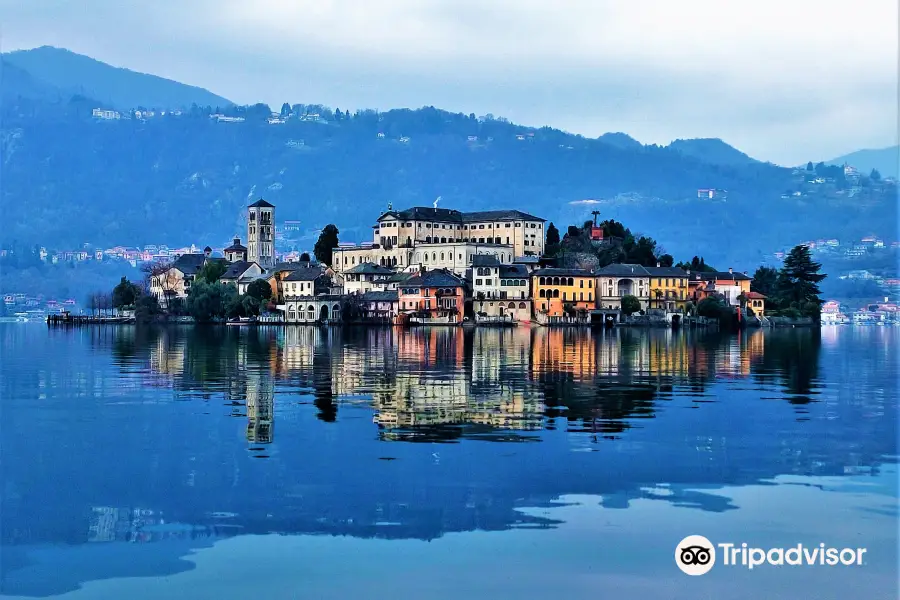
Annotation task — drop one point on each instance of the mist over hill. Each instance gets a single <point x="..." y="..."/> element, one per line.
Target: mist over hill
<point x="69" y="179"/>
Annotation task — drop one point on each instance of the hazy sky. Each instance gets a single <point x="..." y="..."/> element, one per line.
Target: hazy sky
<point x="783" y="80"/>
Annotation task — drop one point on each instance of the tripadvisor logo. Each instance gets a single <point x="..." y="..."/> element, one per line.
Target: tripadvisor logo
<point x="696" y="555"/>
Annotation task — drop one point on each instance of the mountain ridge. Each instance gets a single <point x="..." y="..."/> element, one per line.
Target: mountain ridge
<point x="122" y="88"/>
<point x="885" y="160"/>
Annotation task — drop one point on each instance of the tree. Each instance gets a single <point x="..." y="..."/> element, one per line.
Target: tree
<point x="146" y="309"/>
<point x="630" y="304"/>
<point x="696" y="265"/>
<point x="573" y="231"/>
<point x="809" y="167"/>
<point x="327" y="242"/>
<point x="260" y="290"/>
<point x="875" y="175"/>
<point x="125" y="294"/>
<point x="798" y="279"/>
<point x="285" y="110"/>
<point x="764" y="279"/>
<point x="666" y="260"/>
<point x="714" y="307"/>
<point x="207" y="301"/>
<point x="337" y="114"/>
<point x="552" y="243"/>
<point x="212" y="270"/>
<point x="304" y="257"/>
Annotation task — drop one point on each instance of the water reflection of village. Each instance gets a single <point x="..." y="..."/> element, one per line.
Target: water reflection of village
<point x="182" y="449"/>
<point x="444" y="383"/>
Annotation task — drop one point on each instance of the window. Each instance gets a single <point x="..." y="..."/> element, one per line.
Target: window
<point x="518" y="224"/>
<point x="590" y="283"/>
<point x="478" y="282"/>
<point x="581" y="283"/>
<point x="581" y="295"/>
<point x="564" y="297"/>
<point x="442" y="256"/>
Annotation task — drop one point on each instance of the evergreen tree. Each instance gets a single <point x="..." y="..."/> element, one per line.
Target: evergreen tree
<point x="797" y="283"/>
<point x="212" y="270"/>
<point x="337" y="114"/>
<point x="875" y="175"/>
<point x="552" y="244"/>
<point x="125" y="294"/>
<point x="285" y="110"/>
<point x="809" y="166"/>
<point x="328" y="241"/>
<point x="764" y="280"/>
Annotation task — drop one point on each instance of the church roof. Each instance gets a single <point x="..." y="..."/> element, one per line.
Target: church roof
<point x="261" y="204"/>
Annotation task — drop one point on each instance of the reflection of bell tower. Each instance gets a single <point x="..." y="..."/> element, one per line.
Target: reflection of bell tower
<point x="260" y="408"/>
<point x="261" y="233"/>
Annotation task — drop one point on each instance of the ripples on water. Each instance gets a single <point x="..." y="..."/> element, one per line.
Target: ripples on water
<point x="191" y="435"/>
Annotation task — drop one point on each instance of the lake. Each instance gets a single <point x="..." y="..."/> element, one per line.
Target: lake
<point x="308" y="462"/>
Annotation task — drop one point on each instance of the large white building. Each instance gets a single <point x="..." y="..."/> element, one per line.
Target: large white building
<point x="439" y="238"/>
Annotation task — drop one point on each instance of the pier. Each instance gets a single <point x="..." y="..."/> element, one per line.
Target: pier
<point x="69" y="320"/>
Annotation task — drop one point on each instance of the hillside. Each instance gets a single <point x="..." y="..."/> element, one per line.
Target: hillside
<point x="123" y="89"/>
<point x="713" y="151"/>
<point x="70" y="179"/>
<point x="886" y="160"/>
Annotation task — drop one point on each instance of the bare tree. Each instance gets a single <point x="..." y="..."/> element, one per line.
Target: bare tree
<point x="159" y="279"/>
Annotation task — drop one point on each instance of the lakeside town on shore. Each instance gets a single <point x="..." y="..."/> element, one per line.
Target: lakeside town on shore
<point x="439" y="266"/>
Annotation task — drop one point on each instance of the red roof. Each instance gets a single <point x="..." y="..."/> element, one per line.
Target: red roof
<point x="755" y="296"/>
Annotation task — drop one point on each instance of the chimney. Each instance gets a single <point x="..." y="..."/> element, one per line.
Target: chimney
<point x="730" y="271"/>
<point x="688" y="272"/>
<point x="657" y="264"/>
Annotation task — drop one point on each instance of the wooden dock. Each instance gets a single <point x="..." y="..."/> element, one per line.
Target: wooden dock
<point x="67" y="320"/>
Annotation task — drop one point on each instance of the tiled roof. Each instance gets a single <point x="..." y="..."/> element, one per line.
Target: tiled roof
<point x="554" y="272"/>
<point x="189" y="264"/>
<point x="370" y="269"/>
<point x="755" y="296"/>
<point x="236" y="246"/>
<point x="724" y="276"/>
<point x="305" y="274"/>
<point x="485" y="260"/>
<point x="666" y="272"/>
<point x="389" y="296"/>
<point x="399" y="277"/>
<point x="261" y="204"/>
<point x="236" y="269"/>
<point x="436" y="278"/>
<point x="513" y="271"/>
<point x="623" y="270"/>
<point x="447" y="215"/>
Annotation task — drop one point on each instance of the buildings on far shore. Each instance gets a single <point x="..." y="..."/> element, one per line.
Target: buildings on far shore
<point x="443" y="266"/>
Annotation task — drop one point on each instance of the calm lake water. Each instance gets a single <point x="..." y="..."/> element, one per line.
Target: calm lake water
<point x="442" y="463"/>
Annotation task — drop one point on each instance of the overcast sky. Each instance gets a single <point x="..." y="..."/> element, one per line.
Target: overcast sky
<point x="783" y="80"/>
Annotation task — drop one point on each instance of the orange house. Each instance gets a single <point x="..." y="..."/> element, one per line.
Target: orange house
<point x="437" y="296"/>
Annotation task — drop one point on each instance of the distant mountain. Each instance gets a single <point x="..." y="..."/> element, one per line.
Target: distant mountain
<point x="712" y="151"/>
<point x="620" y="140"/>
<point x="886" y="160"/>
<point x="17" y="82"/>
<point x="123" y="89"/>
<point x="70" y="179"/>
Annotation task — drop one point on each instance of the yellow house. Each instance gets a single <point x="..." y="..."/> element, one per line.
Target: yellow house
<point x="668" y="288"/>
<point x="757" y="303"/>
<point x="553" y="290"/>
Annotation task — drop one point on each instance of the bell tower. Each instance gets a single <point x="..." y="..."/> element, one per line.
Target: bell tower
<point x="261" y="233"/>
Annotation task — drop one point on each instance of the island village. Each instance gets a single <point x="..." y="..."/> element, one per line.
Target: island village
<point x="439" y="266"/>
